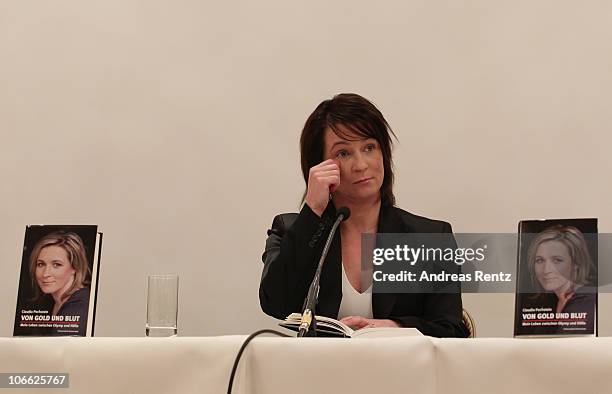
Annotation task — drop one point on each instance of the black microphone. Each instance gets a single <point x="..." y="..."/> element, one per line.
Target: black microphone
<point x="309" y="321"/>
<point x="345" y="212"/>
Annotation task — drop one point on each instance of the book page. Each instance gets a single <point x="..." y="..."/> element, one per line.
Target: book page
<point x="386" y="332"/>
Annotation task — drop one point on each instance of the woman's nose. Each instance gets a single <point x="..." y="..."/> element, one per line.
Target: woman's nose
<point x="548" y="267"/>
<point x="360" y="164"/>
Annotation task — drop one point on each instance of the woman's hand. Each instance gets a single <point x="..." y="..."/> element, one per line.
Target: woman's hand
<point x="322" y="180"/>
<point x="358" y="322"/>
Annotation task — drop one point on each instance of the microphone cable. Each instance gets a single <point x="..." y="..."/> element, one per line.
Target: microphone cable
<point x="243" y="347"/>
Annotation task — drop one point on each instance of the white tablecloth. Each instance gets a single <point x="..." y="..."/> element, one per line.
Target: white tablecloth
<point x="283" y="365"/>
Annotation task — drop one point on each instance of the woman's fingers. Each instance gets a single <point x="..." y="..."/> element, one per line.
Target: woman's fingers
<point x="325" y="167"/>
<point x="355" y="321"/>
<point x="329" y="180"/>
<point x="322" y="180"/>
<point x="358" y="322"/>
<point x="318" y="170"/>
<point x="328" y="172"/>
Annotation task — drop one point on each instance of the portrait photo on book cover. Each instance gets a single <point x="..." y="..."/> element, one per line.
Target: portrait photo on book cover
<point x="55" y="281"/>
<point x="557" y="286"/>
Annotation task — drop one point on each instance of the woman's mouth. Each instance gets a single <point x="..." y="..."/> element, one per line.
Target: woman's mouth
<point x="362" y="180"/>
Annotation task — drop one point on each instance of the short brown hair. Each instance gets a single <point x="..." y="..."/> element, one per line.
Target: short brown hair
<point x="359" y="116"/>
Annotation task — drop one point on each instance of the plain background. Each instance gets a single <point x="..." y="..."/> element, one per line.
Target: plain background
<point x="174" y="125"/>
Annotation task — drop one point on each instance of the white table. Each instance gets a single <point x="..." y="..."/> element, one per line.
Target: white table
<point x="287" y="365"/>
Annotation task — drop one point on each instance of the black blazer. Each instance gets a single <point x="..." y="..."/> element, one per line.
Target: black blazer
<point x="293" y="248"/>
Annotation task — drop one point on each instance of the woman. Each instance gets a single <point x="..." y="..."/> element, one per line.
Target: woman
<point x="346" y="161"/>
<point x="561" y="267"/>
<point x="60" y="274"/>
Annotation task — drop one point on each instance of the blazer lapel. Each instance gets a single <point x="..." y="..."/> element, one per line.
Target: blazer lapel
<point x="388" y="222"/>
<point x="330" y="293"/>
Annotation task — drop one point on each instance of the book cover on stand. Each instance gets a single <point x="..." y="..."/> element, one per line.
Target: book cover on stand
<point x="58" y="283"/>
<point x="557" y="278"/>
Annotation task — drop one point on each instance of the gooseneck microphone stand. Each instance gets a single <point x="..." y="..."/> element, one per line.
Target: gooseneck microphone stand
<point x="308" y="324"/>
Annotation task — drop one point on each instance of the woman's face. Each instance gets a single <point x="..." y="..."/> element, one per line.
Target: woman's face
<point x="361" y="165"/>
<point x="54" y="273"/>
<point x="553" y="266"/>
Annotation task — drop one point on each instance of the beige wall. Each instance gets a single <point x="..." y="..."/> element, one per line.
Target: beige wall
<point x="174" y="126"/>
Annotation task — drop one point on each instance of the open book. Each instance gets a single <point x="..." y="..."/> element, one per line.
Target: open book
<point x="332" y="327"/>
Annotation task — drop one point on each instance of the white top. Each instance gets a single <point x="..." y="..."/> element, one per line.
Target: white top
<point x="354" y="303"/>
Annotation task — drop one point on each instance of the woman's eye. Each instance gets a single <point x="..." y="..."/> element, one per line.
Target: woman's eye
<point x="40" y="264"/>
<point x="370" y="147"/>
<point x="342" y="154"/>
<point x="57" y="265"/>
<point x="539" y="261"/>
